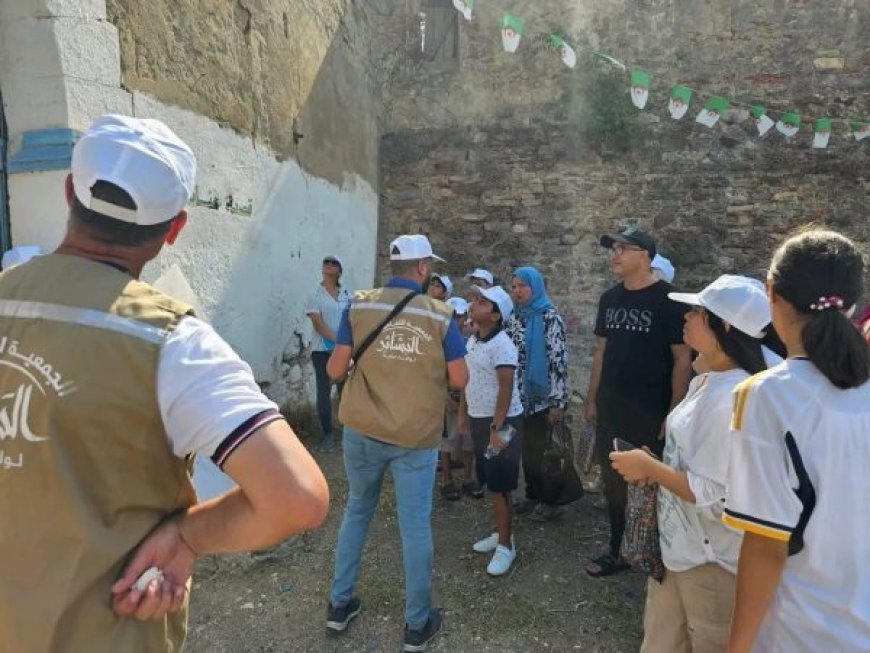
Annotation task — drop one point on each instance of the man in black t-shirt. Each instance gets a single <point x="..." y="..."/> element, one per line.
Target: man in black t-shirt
<point x="641" y="369"/>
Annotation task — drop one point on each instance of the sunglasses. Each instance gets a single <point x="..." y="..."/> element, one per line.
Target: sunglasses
<point x="331" y="261"/>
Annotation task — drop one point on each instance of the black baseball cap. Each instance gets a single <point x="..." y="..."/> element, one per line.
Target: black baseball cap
<point x="631" y="236"/>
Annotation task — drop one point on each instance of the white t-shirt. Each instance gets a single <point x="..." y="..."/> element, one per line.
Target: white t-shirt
<point x="799" y="473"/>
<point x="330" y="310"/>
<point x="484" y="357"/>
<point x="698" y="442"/>
<point x="206" y="393"/>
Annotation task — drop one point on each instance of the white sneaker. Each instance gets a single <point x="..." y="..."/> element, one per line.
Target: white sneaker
<point x="489" y="544"/>
<point x="501" y="561"/>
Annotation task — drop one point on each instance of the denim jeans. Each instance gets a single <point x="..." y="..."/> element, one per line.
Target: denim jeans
<point x="324" y="391"/>
<point x="413" y="470"/>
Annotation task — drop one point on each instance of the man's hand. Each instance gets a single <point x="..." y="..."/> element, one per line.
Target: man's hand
<point x="165" y="549"/>
<point x="462" y="425"/>
<point x="555" y="415"/>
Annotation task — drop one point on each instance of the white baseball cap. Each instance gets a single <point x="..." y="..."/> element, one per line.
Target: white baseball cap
<point x="445" y="281"/>
<point x="458" y="304"/>
<point x="18" y="255"/>
<point x="664" y="266"/>
<point x="141" y="156"/>
<point x="480" y="273"/>
<point x="499" y="297"/>
<point x="740" y="301"/>
<point x="412" y="248"/>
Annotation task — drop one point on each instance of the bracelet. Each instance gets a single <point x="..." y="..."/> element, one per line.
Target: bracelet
<point x="181" y="535"/>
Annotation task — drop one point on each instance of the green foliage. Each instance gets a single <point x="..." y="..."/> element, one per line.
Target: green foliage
<point x="602" y="108"/>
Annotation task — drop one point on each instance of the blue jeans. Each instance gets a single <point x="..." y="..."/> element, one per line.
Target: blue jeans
<point x="365" y="461"/>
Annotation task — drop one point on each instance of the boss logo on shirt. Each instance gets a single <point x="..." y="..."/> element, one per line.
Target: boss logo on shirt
<point x="628" y="319"/>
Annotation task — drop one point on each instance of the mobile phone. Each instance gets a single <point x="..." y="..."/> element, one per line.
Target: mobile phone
<point x="622" y="445"/>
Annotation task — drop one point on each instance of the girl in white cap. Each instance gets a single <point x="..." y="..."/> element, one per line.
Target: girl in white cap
<point x="690" y="610"/>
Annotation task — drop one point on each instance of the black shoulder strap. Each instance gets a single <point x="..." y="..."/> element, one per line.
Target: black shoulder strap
<point x="370" y="338"/>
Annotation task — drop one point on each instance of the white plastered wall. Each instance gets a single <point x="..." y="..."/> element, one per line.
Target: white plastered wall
<point x="59" y="67"/>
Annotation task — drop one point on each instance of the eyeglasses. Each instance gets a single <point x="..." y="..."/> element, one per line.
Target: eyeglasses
<point x="620" y="249"/>
<point x="331" y="261"/>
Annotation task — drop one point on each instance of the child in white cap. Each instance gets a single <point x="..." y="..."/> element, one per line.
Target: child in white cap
<point x="690" y="610"/>
<point x="494" y="409"/>
<point x="456" y="447"/>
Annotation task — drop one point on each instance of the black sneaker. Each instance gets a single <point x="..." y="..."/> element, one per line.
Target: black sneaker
<point x="337" y="619"/>
<point x="417" y="640"/>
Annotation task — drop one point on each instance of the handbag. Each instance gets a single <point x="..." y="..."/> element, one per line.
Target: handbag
<point x="640" y="543"/>
<point x="560" y="483"/>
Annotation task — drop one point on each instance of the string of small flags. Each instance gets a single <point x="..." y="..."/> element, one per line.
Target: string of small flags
<point x="787" y="123"/>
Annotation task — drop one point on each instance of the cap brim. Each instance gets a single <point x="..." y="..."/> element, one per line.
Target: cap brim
<point x="607" y="240"/>
<point x="435" y="257"/>
<point x="685" y="298"/>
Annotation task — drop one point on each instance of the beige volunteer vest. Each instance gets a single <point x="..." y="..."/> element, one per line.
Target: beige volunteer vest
<point x="397" y="392"/>
<point x="86" y="470"/>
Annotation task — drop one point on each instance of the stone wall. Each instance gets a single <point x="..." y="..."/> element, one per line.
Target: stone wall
<point x="278" y="103"/>
<point x="506" y="159"/>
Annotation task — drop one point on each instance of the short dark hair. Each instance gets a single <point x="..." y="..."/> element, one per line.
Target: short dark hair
<point x="817" y="263"/>
<point x="401" y="268"/>
<point x="740" y="347"/>
<point x="110" y="230"/>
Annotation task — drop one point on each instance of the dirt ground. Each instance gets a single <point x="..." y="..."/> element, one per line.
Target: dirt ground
<point x="276" y="600"/>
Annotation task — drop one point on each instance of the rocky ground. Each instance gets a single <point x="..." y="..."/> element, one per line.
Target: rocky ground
<point x="276" y="600"/>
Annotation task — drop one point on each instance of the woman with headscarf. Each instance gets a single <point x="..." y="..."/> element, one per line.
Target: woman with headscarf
<point x="539" y="335"/>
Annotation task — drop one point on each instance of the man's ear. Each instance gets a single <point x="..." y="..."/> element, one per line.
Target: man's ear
<point x="178" y="223"/>
<point x="69" y="190"/>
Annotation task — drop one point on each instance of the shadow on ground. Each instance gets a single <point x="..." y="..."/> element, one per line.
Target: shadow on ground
<point x="276" y="600"/>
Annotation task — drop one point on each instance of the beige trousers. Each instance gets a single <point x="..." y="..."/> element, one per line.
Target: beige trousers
<point x="689" y="612"/>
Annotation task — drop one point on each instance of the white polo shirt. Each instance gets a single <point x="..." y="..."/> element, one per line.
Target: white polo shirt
<point x="800" y="472"/>
<point x="698" y="443"/>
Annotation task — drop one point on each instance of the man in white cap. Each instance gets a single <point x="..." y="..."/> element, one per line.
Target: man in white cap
<point x="116" y="388"/>
<point x="406" y="351"/>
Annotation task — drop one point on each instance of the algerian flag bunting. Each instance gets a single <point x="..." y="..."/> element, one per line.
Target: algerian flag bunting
<point x="788" y="124"/>
<point x="511" y="32"/>
<point x="821" y="133"/>
<point x="763" y="122"/>
<point x="681" y="97"/>
<point x="569" y="57"/>
<point x="464" y="7"/>
<point x="860" y="129"/>
<point x="640" y="80"/>
<point x="606" y="57"/>
<point x="710" y="114"/>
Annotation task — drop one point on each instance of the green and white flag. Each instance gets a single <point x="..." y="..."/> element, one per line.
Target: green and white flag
<point x="464" y="7"/>
<point x="860" y="129"/>
<point x="606" y="57"/>
<point x="788" y="124"/>
<point x="763" y="122"/>
<point x="821" y="133"/>
<point x="511" y="32"/>
<point x="712" y="111"/>
<point x="569" y="57"/>
<point x="681" y="98"/>
<point x="640" y="81"/>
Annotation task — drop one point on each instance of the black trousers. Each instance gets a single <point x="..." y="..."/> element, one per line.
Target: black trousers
<point x="324" y="390"/>
<point x="535" y="430"/>
<point x="632" y="414"/>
